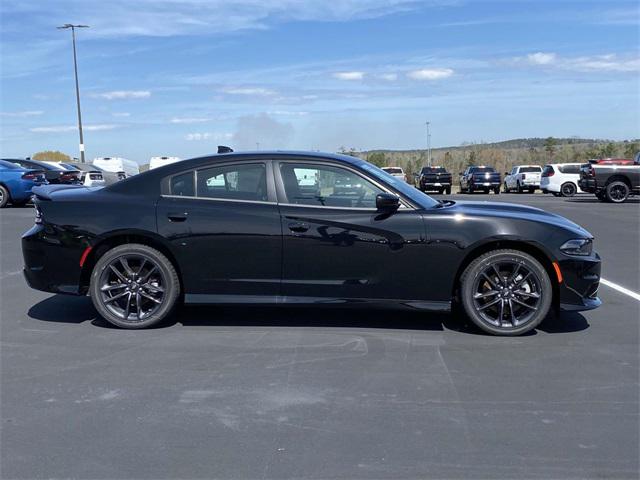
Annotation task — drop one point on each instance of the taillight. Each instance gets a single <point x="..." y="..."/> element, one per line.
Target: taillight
<point x="591" y="171"/>
<point x="32" y="176"/>
<point x="548" y="173"/>
<point x="39" y="220"/>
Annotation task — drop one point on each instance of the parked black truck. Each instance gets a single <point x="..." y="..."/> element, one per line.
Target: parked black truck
<point x="434" y="179"/>
<point x="611" y="183"/>
<point x="480" y="178"/>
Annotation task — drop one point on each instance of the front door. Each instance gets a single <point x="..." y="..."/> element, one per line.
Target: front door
<point x="223" y="224"/>
<point x="336" y="245"/>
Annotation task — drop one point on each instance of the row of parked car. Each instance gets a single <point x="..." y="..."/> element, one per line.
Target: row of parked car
<point x="612" y="179"/>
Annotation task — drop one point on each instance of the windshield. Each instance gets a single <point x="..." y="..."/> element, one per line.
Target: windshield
<point x="482" y="170"/>
<point x="434" y="170"/>
<point x="401" y="186"/>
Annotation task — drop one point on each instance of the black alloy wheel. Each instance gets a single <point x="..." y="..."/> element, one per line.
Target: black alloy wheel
<point x="134" y="286"/>
<point x="617" y="192"/>
<point x="568" y="189"/>
<point x="506" y="292"/>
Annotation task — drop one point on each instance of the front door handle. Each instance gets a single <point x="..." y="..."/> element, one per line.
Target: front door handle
<point x="177" y="217"/>
<point x="298" y="227"/>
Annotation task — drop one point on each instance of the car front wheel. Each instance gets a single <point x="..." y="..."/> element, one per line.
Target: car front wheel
<point x="134" y="286"/>
<point x="506" y="292"/>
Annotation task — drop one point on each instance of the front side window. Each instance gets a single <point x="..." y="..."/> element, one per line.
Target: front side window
<point x="328" y="186"/>
<point x="234" y="182"/>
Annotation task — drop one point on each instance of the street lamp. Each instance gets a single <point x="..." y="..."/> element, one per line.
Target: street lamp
<point x="428" y="144"/>
<point x="75" y="68"/>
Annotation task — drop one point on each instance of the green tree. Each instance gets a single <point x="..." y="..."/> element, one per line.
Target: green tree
<point x="631" y="149"/>
<point x="378" y="159"/>
<point x="51" y="156"/>
<point x="550" y="146"/>
<point x="608" y="150"/>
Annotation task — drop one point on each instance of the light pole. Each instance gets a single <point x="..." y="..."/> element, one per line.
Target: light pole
<point x="428" y="144"/>
<point x="75" y="69"/>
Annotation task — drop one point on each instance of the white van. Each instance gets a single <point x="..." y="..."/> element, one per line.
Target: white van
<point x="117" y="164"/>
<point x="561" y="179"/>
<point x="156" y="162"/>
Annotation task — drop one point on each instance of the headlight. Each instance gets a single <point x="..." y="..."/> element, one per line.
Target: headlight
<point x="578" y="246"/>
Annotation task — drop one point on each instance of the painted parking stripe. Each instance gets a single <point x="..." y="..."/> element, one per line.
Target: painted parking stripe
<point x="620" y="288"/>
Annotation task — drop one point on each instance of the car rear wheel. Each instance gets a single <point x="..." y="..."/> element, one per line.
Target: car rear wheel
<point x="568" y="189"/>
<point x="617" y="192"/>
<point x="134" y="286"/>
<point x="496" y="190"/>
<point x="506" y="292"/>
<point x="448" y="190"/>
<point x="4" y="197"/>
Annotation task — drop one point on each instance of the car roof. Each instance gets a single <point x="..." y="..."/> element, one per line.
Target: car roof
<point x="9" y="164"/>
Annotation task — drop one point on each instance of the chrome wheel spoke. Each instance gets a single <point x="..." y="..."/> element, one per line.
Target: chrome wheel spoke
<point x="511" y="315"/>
<point x="108" y="288"/>
<point x="490" y="280"/>
<point x="489" y="304"/>
<point x="153" y="288"/>
<point x="531" y="307"/>
<point x="120" y="276"/>
<point x="490" y="293"/>
<point x="125" y="264"/>
<point x="501" y="316"/>
<point x="514" y="274"/>
<point x="148" y="274"/>
<point x="138" y="305"/>
<point x="149" y="297"/>
<point x="498" y="274"/>
<point x="128" y="307"/>
<point x="526" y="275"/>
<point x="142" y="264"/>
<point x="522" y="293"/>
<point x="116" y="297"/>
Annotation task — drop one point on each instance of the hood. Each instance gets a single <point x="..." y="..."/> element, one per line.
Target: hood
<point x="514" y="210"/>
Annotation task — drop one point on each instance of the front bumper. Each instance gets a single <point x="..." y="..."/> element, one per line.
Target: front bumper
<point x="580" y="282"/>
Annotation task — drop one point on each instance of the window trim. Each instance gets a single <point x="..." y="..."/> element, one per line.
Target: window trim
<point x="282" y="196"/>
<point x="271" y="195"/>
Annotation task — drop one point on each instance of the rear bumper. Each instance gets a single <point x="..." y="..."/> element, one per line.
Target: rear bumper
<point x="588" y="185"/>
<point x="49" y="264"/>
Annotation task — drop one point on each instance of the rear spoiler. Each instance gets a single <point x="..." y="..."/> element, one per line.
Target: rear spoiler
<point x="44" y="192"/>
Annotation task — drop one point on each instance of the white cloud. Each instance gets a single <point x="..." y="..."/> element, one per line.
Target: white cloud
<point x="28" y="113"/>
<point x="541" y="58"/>
<point x="288" y="113"/>
<point x="123" y="94"/>
<point x="162" y="18"/>
<point x="121" y="114"/>
<point x="597" y="63"/>
<point x="189" y="120"/>
<point x="349" y="75"/>
<point x="217" y="136"/>
<point x="71" y="128"/>
<point x="430" y="74"/>
<point x="390" y="77"/>
<point x="255" y="91"/>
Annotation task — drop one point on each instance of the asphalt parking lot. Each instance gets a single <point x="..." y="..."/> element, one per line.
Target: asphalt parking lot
<point x="318" y="393"/>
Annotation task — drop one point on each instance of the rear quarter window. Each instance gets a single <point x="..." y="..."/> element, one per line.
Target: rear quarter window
<point x="569" y="168"/>
<point x="182" y="185"/>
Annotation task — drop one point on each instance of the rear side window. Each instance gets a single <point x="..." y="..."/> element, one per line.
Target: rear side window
<point x="183" y="185"/>
<point x="547" y="170"/>
<point x="234" y="182"/>
<point x="569" y="168"/>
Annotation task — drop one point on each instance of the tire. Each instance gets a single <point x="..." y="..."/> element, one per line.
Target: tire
<point x="568" y="189"/>
<point x="617" y="192"/>
<point x="496" y="190"/>
<point x="505" y="189"/>
<point x="535" y="293"/>
<point x="532" y="190"/>
<point x="4" y="196"/>
<point x="448" y="190"/>
<point x="519" y="188"/>
<point x="162" y="284"/>
<point x="486" y="190"/>
<point x="601" y="196"/>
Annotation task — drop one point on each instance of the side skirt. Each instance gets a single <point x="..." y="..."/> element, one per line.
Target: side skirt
<point x="207" y="299"/>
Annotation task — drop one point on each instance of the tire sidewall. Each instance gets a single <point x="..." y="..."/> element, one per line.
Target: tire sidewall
<point x="608" y="191"/>
<point x="474" y="270"/>
<point x="172" y="290"/>
<point x="574" y="189"/>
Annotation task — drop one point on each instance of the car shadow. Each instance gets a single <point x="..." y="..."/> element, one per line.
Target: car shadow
<point x="595" y="200"/>
<point x="69" y="309"/>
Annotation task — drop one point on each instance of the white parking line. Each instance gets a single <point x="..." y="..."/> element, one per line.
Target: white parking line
<point x="619" y="288"/>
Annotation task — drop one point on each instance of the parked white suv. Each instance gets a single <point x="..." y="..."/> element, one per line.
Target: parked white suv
<point x="561" y="179"/>
<point x="521" y="178"/>
<point x="395" y="172"/>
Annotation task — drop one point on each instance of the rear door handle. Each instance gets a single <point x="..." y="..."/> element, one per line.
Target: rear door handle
<point x="177" y="217"/>
<point x="298" y="227"/>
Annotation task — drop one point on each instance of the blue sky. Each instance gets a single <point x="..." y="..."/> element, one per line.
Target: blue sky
<point x="169" y="77"/>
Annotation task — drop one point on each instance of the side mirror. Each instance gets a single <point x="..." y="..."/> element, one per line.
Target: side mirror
<point x="387" y="201"/>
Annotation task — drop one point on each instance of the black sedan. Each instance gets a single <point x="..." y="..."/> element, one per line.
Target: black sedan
<point x="55" y="174"/>
<point x="303" y="228"/>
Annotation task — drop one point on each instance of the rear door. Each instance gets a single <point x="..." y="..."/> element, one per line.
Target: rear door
<point x="336" y="245"/>
<point x="224" y="226"/>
